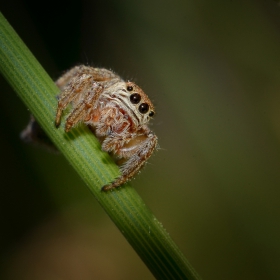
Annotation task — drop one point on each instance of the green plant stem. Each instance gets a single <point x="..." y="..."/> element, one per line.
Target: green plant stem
<point x="124" y="206"/>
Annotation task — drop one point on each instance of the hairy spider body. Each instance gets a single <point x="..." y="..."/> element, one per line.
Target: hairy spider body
<point x="116" y="111"/>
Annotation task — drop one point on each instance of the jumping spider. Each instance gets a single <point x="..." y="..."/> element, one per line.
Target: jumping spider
<point x="116" y="111"/>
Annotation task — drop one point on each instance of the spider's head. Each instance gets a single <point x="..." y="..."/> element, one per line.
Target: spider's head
<point x="140" y="103"/>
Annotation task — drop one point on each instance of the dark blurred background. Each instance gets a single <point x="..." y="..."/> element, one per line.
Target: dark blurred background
<point x="212" y="69"/>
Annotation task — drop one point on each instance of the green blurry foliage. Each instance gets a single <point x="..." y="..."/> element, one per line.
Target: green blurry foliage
<point x="212" y="70"/>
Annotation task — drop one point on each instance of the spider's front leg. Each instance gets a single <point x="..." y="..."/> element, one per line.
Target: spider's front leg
<point x="81" y="87"/>
<point x="73" y="92"/>
<point x="137" y="151"/>
<point x="84" y="108"/>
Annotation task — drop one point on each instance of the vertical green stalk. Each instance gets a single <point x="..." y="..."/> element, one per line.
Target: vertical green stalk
<point x="124" y="206"/>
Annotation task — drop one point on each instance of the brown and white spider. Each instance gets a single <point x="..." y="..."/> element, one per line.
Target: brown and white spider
<point x="116" y="111"/>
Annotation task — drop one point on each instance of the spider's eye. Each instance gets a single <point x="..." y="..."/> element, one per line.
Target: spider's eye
<point x="135" y="98"/>
<point x="143" y="108"/>
<point x="129" y="88"/>
<point x="151" y="113"/>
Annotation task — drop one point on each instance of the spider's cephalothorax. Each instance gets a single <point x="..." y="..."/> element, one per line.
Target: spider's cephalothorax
<point x="117" y="112"/>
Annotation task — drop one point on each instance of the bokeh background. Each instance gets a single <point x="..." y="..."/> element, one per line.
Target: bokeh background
<point x="212" y="69"/>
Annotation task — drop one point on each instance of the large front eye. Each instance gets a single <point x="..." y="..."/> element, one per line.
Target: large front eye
<point x="135" y="98"/>
<point x="143" y="108"/>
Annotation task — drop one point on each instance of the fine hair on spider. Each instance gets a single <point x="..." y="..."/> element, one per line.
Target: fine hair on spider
<point x="118" y="113"/>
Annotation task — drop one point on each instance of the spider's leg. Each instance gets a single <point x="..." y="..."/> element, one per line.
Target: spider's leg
<point x="83" y="108"/>
<point x="69" y="86"/>
<point x="74" y="82"/>
<point x="73" y="92"/>
<point x="135" y="162"/>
